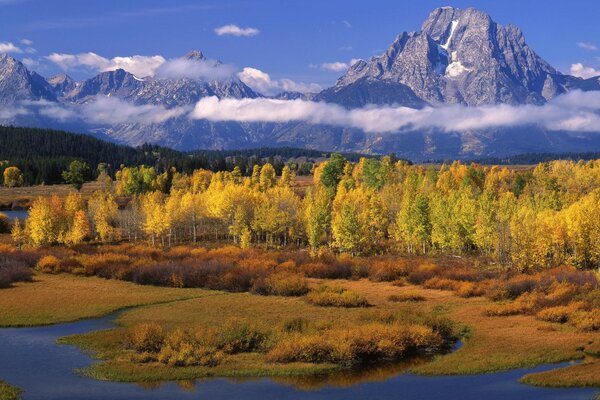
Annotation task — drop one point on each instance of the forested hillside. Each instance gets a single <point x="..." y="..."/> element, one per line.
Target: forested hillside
<point x="42" y="155"/>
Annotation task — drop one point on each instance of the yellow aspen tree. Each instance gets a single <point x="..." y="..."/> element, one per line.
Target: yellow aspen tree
<point x="256" y="175"/>
<point x="157" y="222"/>
<point x="18" y="234"/>
<point x="317" y="216"/>
<point x="201" y="180"/>
<point x="287" y="177"/>
<point x="104" y="211"/>
<point x="267" y="177"/>
<point x="13" y="177"/>
<point x="80" y="229"/>
<point x="41" y="224"/>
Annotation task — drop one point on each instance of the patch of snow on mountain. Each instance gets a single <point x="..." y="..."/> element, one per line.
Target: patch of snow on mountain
<point x="452" y="29"/>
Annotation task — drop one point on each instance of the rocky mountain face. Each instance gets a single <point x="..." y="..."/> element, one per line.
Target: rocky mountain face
<point x="457" y="57"/>
<point x="462" y="56"/>
<point x="18" y="84"/>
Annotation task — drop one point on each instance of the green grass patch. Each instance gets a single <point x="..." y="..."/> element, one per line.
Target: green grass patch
<point x="8" y="392"/>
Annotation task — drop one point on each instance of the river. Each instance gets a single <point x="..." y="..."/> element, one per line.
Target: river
<point x="31" y="360"/>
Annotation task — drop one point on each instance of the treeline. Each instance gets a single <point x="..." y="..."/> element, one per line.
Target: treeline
<point x="536" y="158"/>
<point x="43" y="154"/>
<point x="548" y="216"/>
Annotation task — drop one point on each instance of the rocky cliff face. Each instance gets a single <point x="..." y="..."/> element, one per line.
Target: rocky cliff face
<point x="19" y="84"/>
<point x="463" y="56"/>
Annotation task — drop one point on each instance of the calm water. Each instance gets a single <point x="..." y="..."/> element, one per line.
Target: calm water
<point x="30" y="359"/>
<point x="22" y="215"/>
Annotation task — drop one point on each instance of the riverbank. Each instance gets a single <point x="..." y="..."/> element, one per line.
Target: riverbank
<point x="8" y="392"/>
<point x="490" y="343"/>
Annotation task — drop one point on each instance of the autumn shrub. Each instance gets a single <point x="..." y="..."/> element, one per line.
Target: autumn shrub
<point x="329" y="269"/>
<point x="48" y="265"/>
<point x="302" y="348"/>
<point x="560" y="314"/>
<point x="406" y="297"/>
<point x="241" y="337"/>
<point x="423" y="272"/>
<point x="333" y="296"/>
<point x="71" y="265"/>
<point x="180" y="349"/>
<point x="387" y="270"/>
<point x="4" y="224"/>
<point x="356" y="345"/>
<point x="586" y="320"/>
<point x="146" y="337"/>
<point x="14" y="267"/>
<point x="441" y="283"/>
<point x="511" y="288"/>
<point x="10" y="274"/>
<point x="104" y="264"/>
<point x="295" y="325"/>
<point x="470" y="289"/>
<point x="281" y="284"/>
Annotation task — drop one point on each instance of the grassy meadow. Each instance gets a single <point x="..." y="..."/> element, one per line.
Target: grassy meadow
<point x="226" y="311"/>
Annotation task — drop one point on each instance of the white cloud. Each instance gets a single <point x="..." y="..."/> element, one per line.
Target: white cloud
<point x="30" y="63"/>
<point x="587" y="46"/>
<point x="584" y="72"/>
<point x="235" y="30"/>
<point x="339" y="66"/>
<point x="26" y="42"/>
<point x="195" y="69"/>
<point x="347" y="23"/>
<point x="111" y="110"/>
<point x="263" y="83"/>
<point x="576" y="111"/>
<point x="9" y="47"/>
<point x="138" y="65"/>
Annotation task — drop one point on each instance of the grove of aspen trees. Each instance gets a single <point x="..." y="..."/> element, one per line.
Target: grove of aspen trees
<point x="525" y="218"/>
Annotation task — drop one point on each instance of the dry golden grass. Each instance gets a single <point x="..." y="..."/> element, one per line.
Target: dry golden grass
<point x="52" y="299"/>
<point x="26" y="194"/>
<point x="585" y="374"/>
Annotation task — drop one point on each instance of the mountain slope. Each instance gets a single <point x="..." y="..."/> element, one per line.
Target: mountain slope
<point x="17" y="83"/>
<point x="463" y="56"/>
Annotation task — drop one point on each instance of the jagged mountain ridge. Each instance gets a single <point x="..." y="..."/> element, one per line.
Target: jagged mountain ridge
<point x="458" y="56"/>
<point x="463" y="56"/>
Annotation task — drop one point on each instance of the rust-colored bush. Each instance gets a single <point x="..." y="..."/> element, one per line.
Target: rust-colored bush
<point x="327" y="296"/>
<point x="146" y="337"/>
<point x="423" y="272"/>
<point x="560" y="314"/>
<point x="586" y="320"/>
<point x="360" y="344"/>
<point x="281" y="284"/>
<point x="48" y="265"/>
<point x="387" y="270"/>
<point x="403" y="297"/>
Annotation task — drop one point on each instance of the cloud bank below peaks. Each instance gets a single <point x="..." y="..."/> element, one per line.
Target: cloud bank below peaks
<point x="576" y="111"/>
<point x="146" y="66"/>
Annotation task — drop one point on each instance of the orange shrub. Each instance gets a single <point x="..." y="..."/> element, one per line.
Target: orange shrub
<point x="48" y="265"/>
<point x="587" y="320"/>
<point x="387" y="270"/>
<point x="326" y="296"/>
<point x="423" y="272"/>
<point x="146" y="337"/>
<point x="406" y="297"/>
<point x="560" y="314"/>
<point x="281" y="284"/>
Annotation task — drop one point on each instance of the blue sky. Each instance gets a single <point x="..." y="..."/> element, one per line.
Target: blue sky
<point x="290" y="39"/>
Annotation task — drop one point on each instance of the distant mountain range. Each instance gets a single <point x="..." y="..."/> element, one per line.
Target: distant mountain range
<point x="458" y="57"/>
